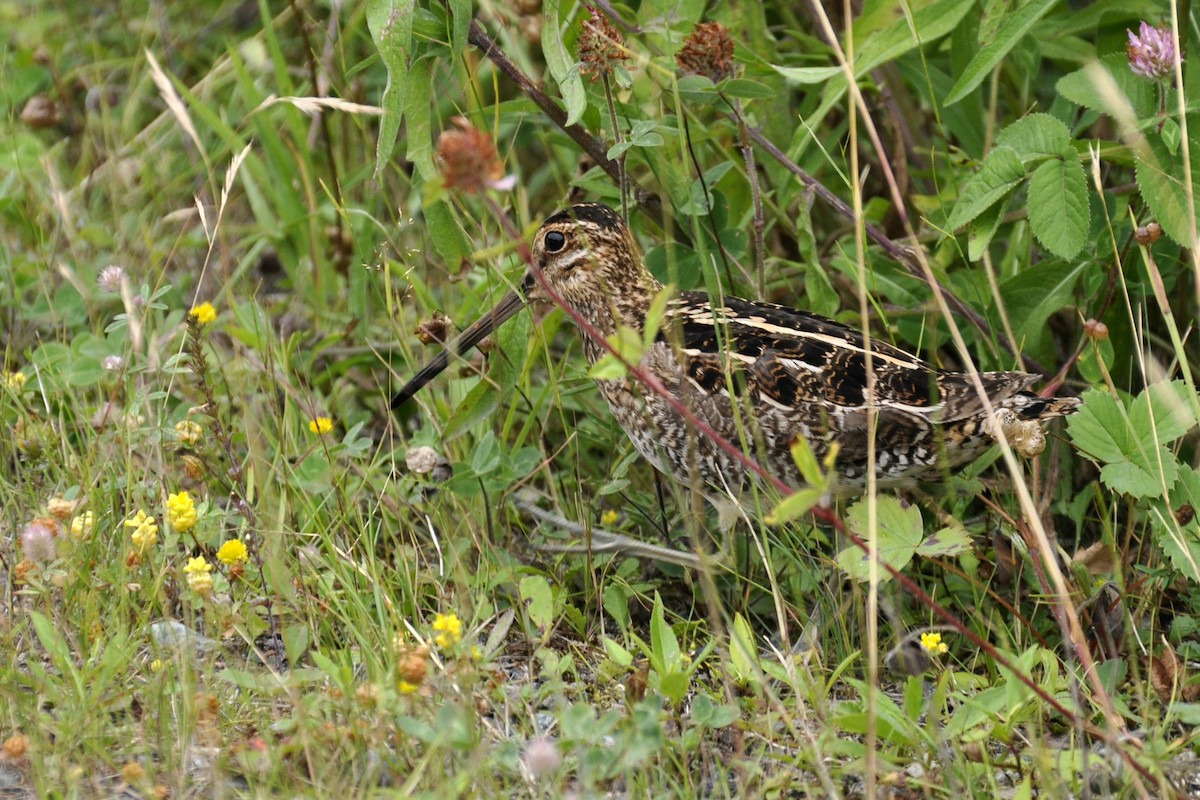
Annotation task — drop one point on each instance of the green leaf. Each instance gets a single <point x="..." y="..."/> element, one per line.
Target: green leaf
<point x="461" y="15"/>
<point x="478" y="405"/>
<point x="1161" y="414"/>
<point x="538" y="599"/>
<point x="563" y="68"/>
<point x="418" y="111"/>
<point x="1089" y="87"/>
<point x="486" y="455"/>
<point x="926" y="25"/>
<point x="1011" y="31"/>
<point x="616" y="653"/>
<point x="808" y="75"/>
<point x="658" y="307"/>
<point x="1058" y="206"/>
<point x="1002" y="170"/>
<point x="747" y="90"/>
<point x="795" y="505"/>
<point x="898" y="531"/>
<point x="1099" y="427"/>
<point x="391" y="26"/>
<point x="664" y="646"/>
<point x="946" y="542"/>
<point x="983" y="229"/>
<point x="1131" y="442"/>
<point x="1037" y="135"/>
<point x="1143" y="474"/>
<point x="1034" y="293"/>
<point x="743" y="654"/>
<point x="447" y="235"/>
<point x="1160" y="178"/>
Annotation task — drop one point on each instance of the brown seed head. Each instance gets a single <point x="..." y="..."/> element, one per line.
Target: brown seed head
<point x="601" y="46"/>
<point x="707" y="51"/>
<point x="1148" y="234"/>
<point x="434" y="329"/>
<point x="1095" y="330"/>
<point x="467" y="158"/>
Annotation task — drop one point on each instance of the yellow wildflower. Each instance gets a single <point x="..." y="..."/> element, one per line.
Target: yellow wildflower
<point x="189" y="432"/>
<point x="232" y="552"/>
<point x="932" y="642"/>
<point x="198" y="579"/>
<point x="145" y="531"/>
<point x="81" y="524"/>
<point x="609" y="517"/>
<point x="181" y="512"/>
<point x="406" y="688"/>
<point x="449" y="628"/>
<point x="15" y="380"/>
<point x="320" y="426"/>
<point x="204" y="313"/>
<point x="157" y="665"/>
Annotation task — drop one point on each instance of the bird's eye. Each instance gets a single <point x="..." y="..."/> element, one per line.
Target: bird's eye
<point x="555" y="242"/>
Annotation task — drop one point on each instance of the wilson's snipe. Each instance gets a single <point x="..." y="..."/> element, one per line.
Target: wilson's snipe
<point x="792" y="374"/>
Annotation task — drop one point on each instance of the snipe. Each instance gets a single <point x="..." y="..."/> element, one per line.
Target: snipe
<point x="790" y="373"/>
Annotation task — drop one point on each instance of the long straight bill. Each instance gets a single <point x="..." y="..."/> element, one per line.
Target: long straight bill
<point x="508" y="306"/>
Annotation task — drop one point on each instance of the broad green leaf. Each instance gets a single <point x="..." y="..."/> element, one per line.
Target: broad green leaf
<point x="926" y="25"/>
<point x="461" y="15"/>
<point x="538" y="599"/>
<point x="983" y="229"/>
<point x="808" y="75"/>
<point x="1058" y="206"/>
<point x="563" y="68"/>
<point x="1162" y="413"/>
<point x="899" y="533"/>
<point x="795" y="505"/>
<point x="478" y="405"/>
<point x="391" y="26"/>
<point x="743" y="654"/>
<point x="1036" y="135"/>
<point x="1034" y="293"/>
<point x="1144" y="474"/>
<point x="1082" y="87"/>
<point x="658" y="307"/>
<point x="1011" y="31"/>
<point x="946" y="542"/>
<point x="616" y="653"/>
<point x="1001" y="172"/>
<point x="418" y="110"/>
<point x="747" y="90"/>
<point x="1160" y="178"/>
<point x="1099" y="427"/>
<point x="448" y="237"/>
<point x="664" y="646"/>
<point x="486" y="455"/>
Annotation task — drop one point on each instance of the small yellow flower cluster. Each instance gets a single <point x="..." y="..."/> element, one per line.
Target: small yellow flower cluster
<point x="145" y="531"/>
<point x="320" y="425"/>
<point x="198" y="578"/>
<point x="932" y="642"/>
<point x="81" y="524"/>
<point x="204" y="313"/>
<point x="449" y="628"/>
<point x="189" y="432"/>
<point x="181" y="512"/>
<point x="233" y="552"/>
<point x="609" y="517"/>
<point x="15" y="380"/>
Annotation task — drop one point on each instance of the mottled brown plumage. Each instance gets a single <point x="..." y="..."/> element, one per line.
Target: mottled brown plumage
<point x="763" y="375"/>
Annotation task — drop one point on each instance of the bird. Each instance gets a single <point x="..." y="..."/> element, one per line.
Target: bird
<point x="760" y="374"/>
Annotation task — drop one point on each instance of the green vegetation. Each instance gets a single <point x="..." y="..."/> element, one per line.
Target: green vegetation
<point x="227" y="569"/>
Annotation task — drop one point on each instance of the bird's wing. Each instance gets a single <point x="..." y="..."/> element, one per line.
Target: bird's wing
<point x="793" y="357"/>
